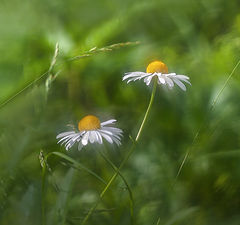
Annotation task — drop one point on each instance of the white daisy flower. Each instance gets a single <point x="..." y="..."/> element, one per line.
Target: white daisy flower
<point x="158" y="69"/>
<point x="90" y="129"/>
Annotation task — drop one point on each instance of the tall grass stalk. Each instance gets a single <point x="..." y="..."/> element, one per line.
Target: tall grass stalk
<point x="51" y="77"/>
<point x="204" y="123"/>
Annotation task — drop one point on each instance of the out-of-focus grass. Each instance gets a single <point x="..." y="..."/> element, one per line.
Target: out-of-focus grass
<point x="196" y="38"/>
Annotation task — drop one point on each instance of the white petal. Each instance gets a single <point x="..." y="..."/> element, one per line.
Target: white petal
<point x="85" y="138"/>
<point x="65" y="134"/>
<point x="182" y="77"/>
<point x="148" y="79"/>
<point x="145" y="79"/>
<point x="180" y="84"/>
<point x="80" y="145"/>
<point x="136" y="78"/>
<point x="71" y="141"/>
<point x="116" y="135"/>
<point x="169" y="82"/>
<point x="184" y="80"/>
<point x="95" y="135"/>
<point x="76" y="137"/>
<point x="106" y="131"/>
<point x="133" y="74"/>
<point x="109" y="139"/>
<point x="116" y="141"/>
<point x="92" y="136"/>
<point x="133" y="79"/>
<point x="67" y="147"/>
<point x="170" y="74"/>
<point x="66" y="138"/>
<point x="113" y="130"/>
<point x="99" y="137"/>
<point x="108" y="122"/>
<point x="139" y="78"/>
<point x="130" y="75"/>
<point x="71" y="136"/>
<point x="161" y="79"/>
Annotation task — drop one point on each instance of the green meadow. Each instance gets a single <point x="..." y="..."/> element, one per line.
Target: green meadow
<point x="178" y="164"/>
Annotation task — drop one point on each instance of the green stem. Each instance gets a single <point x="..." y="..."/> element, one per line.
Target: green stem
<point x="125" y="182"/>
<point x="128" y="155"/>
<point x="148" y="109"/>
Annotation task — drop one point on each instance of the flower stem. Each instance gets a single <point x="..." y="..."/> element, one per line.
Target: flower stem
<point x="127" y="156"/>
<point x="125" y="182"/>
<point x="148" y="109"/>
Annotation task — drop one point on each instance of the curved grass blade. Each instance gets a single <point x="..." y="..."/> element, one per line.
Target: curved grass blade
<point x="58" y="212"/>
<point x="43" y="162"/>
<point x="76" y="164"/>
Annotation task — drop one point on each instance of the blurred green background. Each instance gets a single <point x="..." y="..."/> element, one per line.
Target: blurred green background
<point x="200" y="39"/>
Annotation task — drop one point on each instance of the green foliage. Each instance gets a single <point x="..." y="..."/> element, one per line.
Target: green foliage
<point x="44" y="87"/>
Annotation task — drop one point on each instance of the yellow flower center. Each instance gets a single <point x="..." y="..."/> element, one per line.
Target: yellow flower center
<point x="157" y="67"/>
<point x="89" y="123"/>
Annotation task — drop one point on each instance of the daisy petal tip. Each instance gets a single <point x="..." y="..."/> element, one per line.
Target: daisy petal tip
<point x="84" y="142"/>
<point x="184" y="89"/>
<point x="58" y="136"/>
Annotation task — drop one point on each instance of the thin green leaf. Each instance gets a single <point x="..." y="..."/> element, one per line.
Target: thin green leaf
<point x="76" y="164"/>
<point x="204" y="123"/>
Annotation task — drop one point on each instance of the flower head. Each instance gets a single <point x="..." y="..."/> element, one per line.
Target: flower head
<point x="90" y="129"/>
<point x="158" y="69"/>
